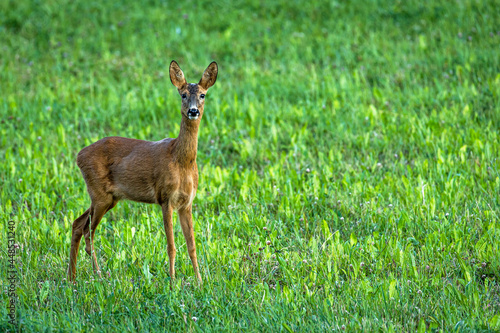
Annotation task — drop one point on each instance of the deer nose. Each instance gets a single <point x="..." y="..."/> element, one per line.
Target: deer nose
<point x="193" y="113"/>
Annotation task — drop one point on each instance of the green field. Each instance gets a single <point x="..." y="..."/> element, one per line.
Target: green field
<point x="360" y="139"/>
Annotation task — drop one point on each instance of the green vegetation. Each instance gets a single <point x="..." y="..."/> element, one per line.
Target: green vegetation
<point x="359" y="138"/>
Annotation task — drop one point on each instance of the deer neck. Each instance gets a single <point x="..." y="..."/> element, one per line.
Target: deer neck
<point x="187" y="142"/>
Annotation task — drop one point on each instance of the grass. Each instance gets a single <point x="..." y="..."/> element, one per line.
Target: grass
<point x="360" y="139"/>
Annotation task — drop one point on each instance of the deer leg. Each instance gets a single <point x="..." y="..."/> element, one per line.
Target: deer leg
<point x="86" y="231"/>
<point x="169" y="231"/>
<point x="186" y="219"/>
<point x="98" y="211"/>
<point x="76" y="236"/>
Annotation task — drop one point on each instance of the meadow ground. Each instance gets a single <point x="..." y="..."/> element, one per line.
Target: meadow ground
<point x="359" y="139"/>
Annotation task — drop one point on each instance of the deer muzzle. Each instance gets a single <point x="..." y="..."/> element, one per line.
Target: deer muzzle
<point x="193" y="114"/>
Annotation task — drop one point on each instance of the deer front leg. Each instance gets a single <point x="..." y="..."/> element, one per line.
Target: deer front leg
<point x="186" y="219"/>
<point x="169" y="231"/>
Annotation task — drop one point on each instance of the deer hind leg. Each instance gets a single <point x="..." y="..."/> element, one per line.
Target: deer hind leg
<point x="76" y="236"/>
<point x="186" y="219"/>
<point x="86" y="231"/>
<point x="98" y="209"/>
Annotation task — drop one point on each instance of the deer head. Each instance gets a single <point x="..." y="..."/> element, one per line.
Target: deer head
<point x="193" y="94"/>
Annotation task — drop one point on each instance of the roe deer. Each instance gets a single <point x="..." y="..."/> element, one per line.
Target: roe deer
<point x="162" y="172"/>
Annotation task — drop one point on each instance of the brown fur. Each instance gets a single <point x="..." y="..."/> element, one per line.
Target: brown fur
<point x="162" y="172"/>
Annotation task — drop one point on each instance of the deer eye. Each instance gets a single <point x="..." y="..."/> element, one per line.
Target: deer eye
<point x="202" y="96"/>
<point x="183" y="96"/>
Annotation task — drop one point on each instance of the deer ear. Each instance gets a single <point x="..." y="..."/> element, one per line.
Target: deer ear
<point x="176" y="75"/>
<point x="209" y="76"/>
